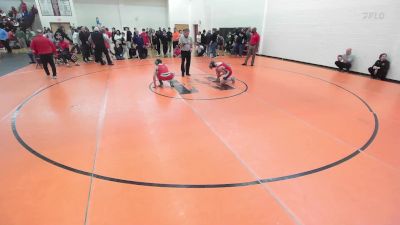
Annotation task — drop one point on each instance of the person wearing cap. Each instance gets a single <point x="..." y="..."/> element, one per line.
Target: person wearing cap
<point x="43" y="47"/>
<point x="186" y="44"/>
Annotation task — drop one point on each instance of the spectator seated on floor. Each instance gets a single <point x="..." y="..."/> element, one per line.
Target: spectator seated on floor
<point x="344" y="61"/>
<point x="119" y="50"/>
<point x="177" y="51"/>
<point x="200" y="50"/>
<point x="133" y="51"/>
<point x="65" y="54"/>
<point x="380" y="68"/>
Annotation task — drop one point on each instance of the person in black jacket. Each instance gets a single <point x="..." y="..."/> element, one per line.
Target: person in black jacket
<point x="157" y="40"/>
<point x="164" y="41"/>
<point x="61" y="32"/>
<point x="169" y="39"/>
<point x="380" y="68"/>
<point x="84" y="37"/>
<point x="100" y="47"/>
<point x="203" y="38"/>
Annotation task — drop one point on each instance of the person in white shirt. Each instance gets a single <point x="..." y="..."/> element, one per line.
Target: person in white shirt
<point x="186" y="44"/>
<point x="118" y="36"/>
<point x="76" y="42"/>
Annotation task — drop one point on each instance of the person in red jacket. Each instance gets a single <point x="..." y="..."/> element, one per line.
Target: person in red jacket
<point x="162" y="74"/>
<point x="43" y="47"/>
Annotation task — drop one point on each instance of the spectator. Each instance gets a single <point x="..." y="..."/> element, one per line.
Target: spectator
<point x="230" y="42"/>
<point x="29" y="36"/>
<point x="203" y="38"/>
<point x="200" y="50"/>
<point x="119" y="51"/>
<point x="207" y="42"/>
<point x="113" y="32"/>
<point x="23" y="8"/>
<point x="60" y="32"/>
<point x="344" y="61"/>
<point x="100" y="47"/>
<point x="49" y="35"/>
<point x="198" y="38"/>
<point x="109" y="34"/>
<point x="239" y="42"/>
<point x="128" y="39"/>
<point x="21" y="38"/>
<point x="186" y="44"/>
<point x="380" y="68"/>
<point x="76" y="42"/>
<point x="133" y="51"/>
<point x="65" y="53"/>
<point x="157" y="42"/>
<point x="118" y="36"/>
<point x="164" y="41"/>
<point x="169" y="39"/>
<point x="146" y="42"/>
<point x="177" y="51"/>
<point x="221" y="45"/>
<point x="254" y="42"/>
<point x="4" y="39"/>
<point x="214" y="44"/>
<point x="107" y="41"/>
<point x="45" y="49"/>
<point x="139" y="45"/>
<point x="84" y="38"/>
<point x="175" y="38"/>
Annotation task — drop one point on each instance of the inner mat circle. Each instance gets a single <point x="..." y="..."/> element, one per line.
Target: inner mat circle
<point x="199" y="87"/>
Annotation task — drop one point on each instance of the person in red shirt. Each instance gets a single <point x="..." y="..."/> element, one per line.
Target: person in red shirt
<point x="223" y="70"/>
<point x="146" y="42"/>
<point x="65" y="54"/>
<point x="43" y="47"/>
<point x="253" y="46"/>
<point x="23" y="7"/>
<point x="162" y="74"/>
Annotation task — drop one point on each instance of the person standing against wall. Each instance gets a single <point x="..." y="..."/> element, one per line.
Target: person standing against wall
<point x="43" y="47"/>
<point x="186" y="44"/>
<point x="254" y="42"/>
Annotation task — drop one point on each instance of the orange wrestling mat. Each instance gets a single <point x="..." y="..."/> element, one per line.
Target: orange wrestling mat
<point x="286" y="144"/>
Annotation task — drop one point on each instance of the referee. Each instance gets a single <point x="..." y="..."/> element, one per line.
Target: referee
<point x="186" y="43"/>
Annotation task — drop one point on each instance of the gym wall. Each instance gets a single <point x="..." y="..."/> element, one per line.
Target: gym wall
<point x="132" y="13"/>
<point x="317" y="31"/>
<point x="215" y="14"/>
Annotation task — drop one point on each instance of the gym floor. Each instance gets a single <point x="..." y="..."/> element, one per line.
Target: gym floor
<point x="288" y="143"/>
